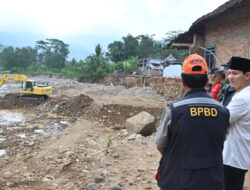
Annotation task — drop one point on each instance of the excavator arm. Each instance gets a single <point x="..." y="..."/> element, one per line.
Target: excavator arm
<point x="12" y="77"/>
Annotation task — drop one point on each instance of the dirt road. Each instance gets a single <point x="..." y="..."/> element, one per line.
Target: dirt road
<point x="77" y="138"/>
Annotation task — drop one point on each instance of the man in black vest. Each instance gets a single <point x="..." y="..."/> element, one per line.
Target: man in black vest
<point x="191" y="134"/>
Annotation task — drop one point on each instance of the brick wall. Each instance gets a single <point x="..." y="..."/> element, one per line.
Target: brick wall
<point x="198" y="41"/>
<point x="229" y="34"/>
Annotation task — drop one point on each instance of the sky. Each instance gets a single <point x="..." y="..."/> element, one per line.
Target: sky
<point x="84" y="23"/>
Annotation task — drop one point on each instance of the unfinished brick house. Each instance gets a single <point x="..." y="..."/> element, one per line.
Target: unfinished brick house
<point x="224" y="32"/>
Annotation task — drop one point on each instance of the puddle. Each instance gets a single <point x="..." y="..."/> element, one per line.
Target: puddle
<point x="2" y="152"/>
<point x="10" y="117"/>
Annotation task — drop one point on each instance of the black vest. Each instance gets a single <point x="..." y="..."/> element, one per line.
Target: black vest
<point x="193" y="157"/>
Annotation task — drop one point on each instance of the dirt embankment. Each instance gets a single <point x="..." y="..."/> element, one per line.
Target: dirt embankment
<point x="167" y="87"/>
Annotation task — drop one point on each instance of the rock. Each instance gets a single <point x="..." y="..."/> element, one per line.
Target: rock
<point x="99" y="177"/>
<point x="115" y="187"/>
<point x="138" y="136"/>
<point x="92" y="186"/>
<point x="7" y="175"/>
<point x="48" y="178"/>
<point x="92" y="142"/>
<point x="142" y="123"/>
<point x="132" y="137"/>
<point x="124" y="132"/>
<point x="10" y="184"/>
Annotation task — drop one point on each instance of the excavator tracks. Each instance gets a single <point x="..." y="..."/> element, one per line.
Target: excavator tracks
<point x="37" y="98"/>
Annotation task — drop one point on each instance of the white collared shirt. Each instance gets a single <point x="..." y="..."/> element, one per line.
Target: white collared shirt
<point x="236" y="152"/>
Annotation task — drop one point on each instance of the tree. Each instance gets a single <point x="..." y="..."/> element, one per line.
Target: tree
<point x="95" y="65"/>
<point x="146" y="46"/>
<point x="171" y="35"/>
<point x="116" y="51"/>
<point x="52" y="53"/>
<point x="130" y="46"/>
<point x="7" y="58"/>
<point x="25" y="57"/>
<point x="98" y="50"/>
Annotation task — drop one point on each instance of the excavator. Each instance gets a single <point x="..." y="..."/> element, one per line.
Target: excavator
<point x="29" y="89"/>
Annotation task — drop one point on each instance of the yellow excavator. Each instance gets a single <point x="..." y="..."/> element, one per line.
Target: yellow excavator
<point x="30" y="91"/>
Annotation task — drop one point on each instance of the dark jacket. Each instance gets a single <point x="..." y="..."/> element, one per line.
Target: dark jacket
<point x="193" y="157"/>
<point x="228" y="95"/>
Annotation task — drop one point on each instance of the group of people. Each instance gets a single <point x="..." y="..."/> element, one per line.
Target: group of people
<point x="204" y="139"/>
<point x="219" y="88"/>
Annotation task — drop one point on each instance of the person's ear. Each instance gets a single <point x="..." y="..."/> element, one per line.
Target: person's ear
<point x="207" y="81"/>
<point x="248" y="75"/>
<point x="183" y="82"/>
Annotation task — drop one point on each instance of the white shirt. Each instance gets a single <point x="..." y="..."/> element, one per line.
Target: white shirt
<point x="236" y="152"/>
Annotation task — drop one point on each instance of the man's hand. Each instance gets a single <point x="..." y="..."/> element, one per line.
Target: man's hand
<point x="161" y="150"/>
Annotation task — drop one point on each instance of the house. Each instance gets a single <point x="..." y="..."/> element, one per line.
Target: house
<point x="159" y="67"/>
<point x="219" y="35"/>
<point x="156" y="64"/>
<point x="170" y="59"/>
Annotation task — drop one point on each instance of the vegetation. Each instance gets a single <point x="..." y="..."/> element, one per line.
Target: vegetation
<point x="50" y="56"/>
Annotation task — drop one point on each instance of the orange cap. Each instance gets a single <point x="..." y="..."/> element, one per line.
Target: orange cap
<point x="194" y="64"/>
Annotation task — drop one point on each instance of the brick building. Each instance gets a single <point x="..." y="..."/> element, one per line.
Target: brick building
<point x="225" y="32"/>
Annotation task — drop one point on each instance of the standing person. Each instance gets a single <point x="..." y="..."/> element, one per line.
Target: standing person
<point x="228" y="91"/>
<point x="218" y="78"/>
<point x="224" y="84"/>
<point x="208" y="88"/>
<point x="236" y="153"/>
<point x="191" y="134"/>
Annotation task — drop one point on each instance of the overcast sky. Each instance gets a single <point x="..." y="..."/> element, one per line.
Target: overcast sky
<point x="70" y="19"/>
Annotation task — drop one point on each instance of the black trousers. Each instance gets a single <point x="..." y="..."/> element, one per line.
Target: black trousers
<point x="234" y="178"/>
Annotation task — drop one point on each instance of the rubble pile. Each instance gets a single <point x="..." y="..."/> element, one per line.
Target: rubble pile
<point x="74" y="106"/>
<point x="115" y="115"/>
<point x="167" y="87"/>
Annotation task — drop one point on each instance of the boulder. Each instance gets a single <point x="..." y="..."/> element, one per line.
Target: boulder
<point x="142" y="123"/>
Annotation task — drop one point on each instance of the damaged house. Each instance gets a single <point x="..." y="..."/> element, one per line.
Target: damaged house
<point x="161" y="67"/>
<point x="225" y="32"/>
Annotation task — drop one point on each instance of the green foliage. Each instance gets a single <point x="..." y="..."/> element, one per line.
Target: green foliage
<point x="127" y="67"/>
<point x="146" y="46"/>
<point x="110" y="139"/>
<point x="131" y="46"/>
<point x="34" y="67"/>
<point x="7" y="58"/>
<point x="98" y="50"/>
<point x="166" y="52"/>
<point x="17" y="59"/>
<point x="143" y="46"/>
<point x="50" y="56"/>
<point x="52" y="53"/>
<point x="171" y="35"/>
<point x="116" y="51"/>
<point x="71" y="71"/>
<point x="95" y="66"/>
